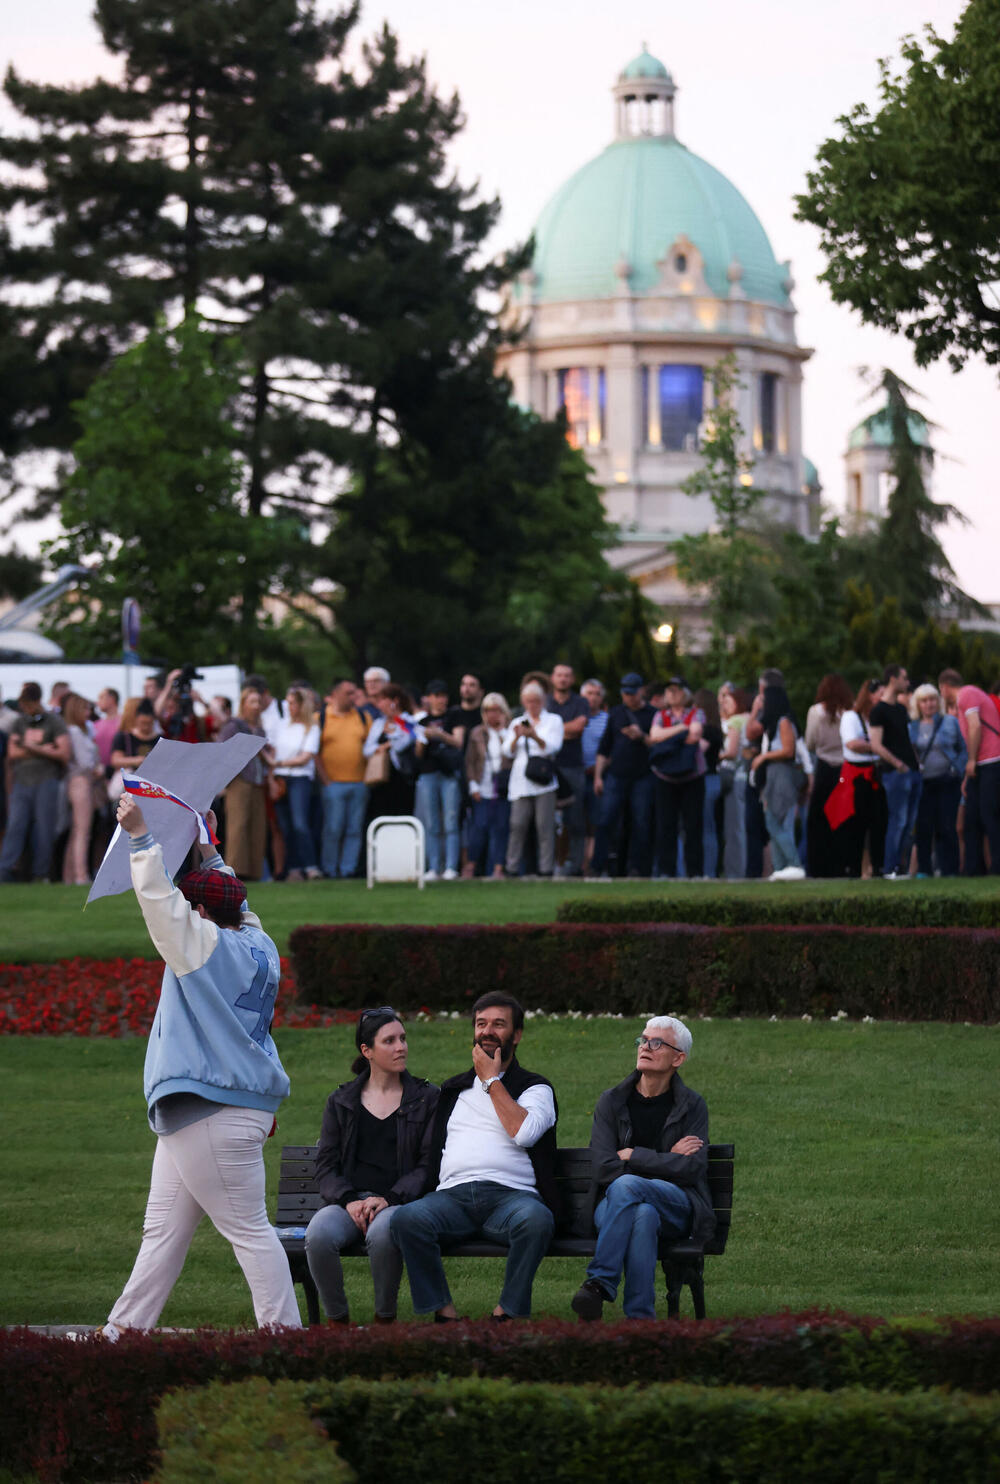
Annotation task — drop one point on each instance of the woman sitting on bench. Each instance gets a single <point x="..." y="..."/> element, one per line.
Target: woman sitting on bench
<point x="372" y="1156"/>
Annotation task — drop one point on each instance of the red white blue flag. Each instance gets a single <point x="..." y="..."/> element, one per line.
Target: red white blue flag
<point x="143" y="788"/>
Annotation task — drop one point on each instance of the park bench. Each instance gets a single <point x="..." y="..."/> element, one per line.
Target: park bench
<point x="682" y="1262"/>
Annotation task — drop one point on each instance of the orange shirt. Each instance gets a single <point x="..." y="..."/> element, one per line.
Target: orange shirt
<point x="340" y="745"/>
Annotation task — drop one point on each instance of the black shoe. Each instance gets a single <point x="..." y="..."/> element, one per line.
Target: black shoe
<point x="589" y="1300"/>
<point x="500" y="1318"/>
<point x="446" y="1318"/>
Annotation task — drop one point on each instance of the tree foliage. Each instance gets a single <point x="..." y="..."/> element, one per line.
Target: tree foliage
<point x="906" y="198"/>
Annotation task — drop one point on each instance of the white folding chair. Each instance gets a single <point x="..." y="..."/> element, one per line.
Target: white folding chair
<point x="396" y="849"/>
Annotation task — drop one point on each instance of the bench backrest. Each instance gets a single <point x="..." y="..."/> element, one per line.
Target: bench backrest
<point x="299" y="1198"/>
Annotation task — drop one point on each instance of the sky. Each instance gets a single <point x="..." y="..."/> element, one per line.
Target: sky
<point x="759" y="88"/>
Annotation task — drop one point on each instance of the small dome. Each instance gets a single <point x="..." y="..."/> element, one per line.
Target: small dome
<point x="877" y="431"/>
<point x="811" y="473"/>
<point x="645" y="65"/>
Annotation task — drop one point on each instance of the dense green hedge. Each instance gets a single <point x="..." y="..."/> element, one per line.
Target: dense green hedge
<point x="407" y="1432"/>
<point x="86" y="1410"/>
<point x="898" y="905"/>
<point x="254" y="1430"/>
<point x="889" y="973"/>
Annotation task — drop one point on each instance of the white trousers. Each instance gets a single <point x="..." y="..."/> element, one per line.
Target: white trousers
<point x="215" y="1166"/>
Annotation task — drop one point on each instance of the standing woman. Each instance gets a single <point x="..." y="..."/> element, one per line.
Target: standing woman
<point x="399" y="739"/>
<point x="780" y="782"/>
<point x="941" y="757"/>
<point x="863" y="811"/>
<point x="487" y="771"/>
<point x="734" y="709"/>
<point x="246" y="796"/>
<point x="82" y="775"/>
<point x="373" y="1155"/>
<point x="531" y="742"/>
<point x="824" y="847"/>
<point x="296" y="743"/>
<point x="711" y="746"/>
<point x="680" y="789"/>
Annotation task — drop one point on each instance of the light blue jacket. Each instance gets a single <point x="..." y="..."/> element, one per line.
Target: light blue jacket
<point x="211" y="1034"/>
<point x="948" y="742"/>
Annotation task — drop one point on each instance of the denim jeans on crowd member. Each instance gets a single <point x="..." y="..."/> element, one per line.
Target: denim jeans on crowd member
<point x="982" y="817"/>
<point x="710" y="837"/>
<point x="32" y="810"/>
<point x="293" y="817"/>
<point x="936" y="828"/>
<point x="630" y="1220"/>
<point x="330" y="1230"/>
<point x="344" y="806"/>
<point x="781" y="828"/>
<point x="734" y="816"/>
<point x="438" y="804"/>
<point x="636" y="796"/>
<point x="489" y="823"/>
<point x="518" y="1219"/>
<point x="902" y="796"/>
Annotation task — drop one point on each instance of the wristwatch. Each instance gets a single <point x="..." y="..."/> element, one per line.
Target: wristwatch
<point x="488" y="1084"/>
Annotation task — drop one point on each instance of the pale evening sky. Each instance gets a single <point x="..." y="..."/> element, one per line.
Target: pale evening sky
<point x="759" y="87"/>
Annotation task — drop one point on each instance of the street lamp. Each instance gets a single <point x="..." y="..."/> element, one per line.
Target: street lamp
<point x="663" y="633"/>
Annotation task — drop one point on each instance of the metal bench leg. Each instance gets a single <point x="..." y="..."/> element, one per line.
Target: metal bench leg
<point x="685" y="1275"/>
<point x="312" y="1297"/>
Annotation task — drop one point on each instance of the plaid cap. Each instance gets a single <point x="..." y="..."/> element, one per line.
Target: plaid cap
<point x="216" y="891"/>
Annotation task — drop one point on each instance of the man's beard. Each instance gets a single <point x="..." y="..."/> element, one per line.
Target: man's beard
<point x="506" y="1046"/>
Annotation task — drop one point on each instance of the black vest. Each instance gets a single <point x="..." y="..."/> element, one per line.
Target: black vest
<point x="542" y="1154"/>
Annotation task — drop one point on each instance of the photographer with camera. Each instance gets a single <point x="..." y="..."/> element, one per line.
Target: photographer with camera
<point x="175" y="704"/>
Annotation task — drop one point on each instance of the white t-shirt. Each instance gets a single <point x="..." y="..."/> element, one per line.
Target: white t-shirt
<point x="852" y="729"/>
<point x="288" y="740"/>
<point x="478" y="1147"/>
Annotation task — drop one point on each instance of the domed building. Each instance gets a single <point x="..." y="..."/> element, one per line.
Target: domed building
<point x="868" y="462"/>
<point x="650" y="266"/>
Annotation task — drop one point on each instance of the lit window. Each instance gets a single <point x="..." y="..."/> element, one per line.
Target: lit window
<point x="768" y="411"/>
<point x="672" y="400"/>
<point x="581" y="390"/>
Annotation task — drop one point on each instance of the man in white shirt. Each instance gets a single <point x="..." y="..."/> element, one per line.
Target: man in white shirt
<point x="491" y="1171"/>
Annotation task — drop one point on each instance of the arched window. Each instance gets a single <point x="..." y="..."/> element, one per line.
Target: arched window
<point x="581" y="391"/>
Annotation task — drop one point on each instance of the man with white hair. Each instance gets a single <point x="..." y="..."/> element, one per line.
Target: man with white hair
<point x="374" y="678"/>
<point x="649" y="1145"/>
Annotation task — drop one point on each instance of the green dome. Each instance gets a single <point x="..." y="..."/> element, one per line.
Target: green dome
<point x="811" y="473"/>
<point x="631" y="203"/>
<point x="645" y="65"/>
<point x="877" y="430"/>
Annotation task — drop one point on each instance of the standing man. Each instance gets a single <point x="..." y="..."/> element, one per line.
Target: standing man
<point x="491" y="1170"/>
<point x="979" y="721"/>
<point x="375" y="679"/>
<point x="470" y="699"/>
<point x="575" y="713"/>
<point x="38" y="751"/>
<point x="213" y="1082"/>
<point x="649" y="1145"/>
<point x="340" y="767"/>
<point x="109" y="724"/>
<point x="593" y="693"/>
<point x="623" y="781"/>
<point x="889" y="734"/>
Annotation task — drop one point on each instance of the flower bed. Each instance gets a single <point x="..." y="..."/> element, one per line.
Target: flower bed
<point x="114" y="997"/>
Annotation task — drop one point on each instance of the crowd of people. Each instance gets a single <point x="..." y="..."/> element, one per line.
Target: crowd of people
<point x="893" y="781"/>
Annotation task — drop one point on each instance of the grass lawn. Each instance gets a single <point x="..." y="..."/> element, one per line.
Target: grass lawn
<point x="41" y="923"/>
<point x="864" y="1160"/>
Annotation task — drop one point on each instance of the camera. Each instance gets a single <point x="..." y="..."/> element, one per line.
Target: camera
<point x="182" y="687"/>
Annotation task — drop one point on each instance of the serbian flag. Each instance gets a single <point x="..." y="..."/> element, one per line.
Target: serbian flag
<point x="144" y="788"/>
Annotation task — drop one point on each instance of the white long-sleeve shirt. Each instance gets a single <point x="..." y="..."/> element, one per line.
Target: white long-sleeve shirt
<point x="478" y="1147"/>
<point x="549" y="727"/>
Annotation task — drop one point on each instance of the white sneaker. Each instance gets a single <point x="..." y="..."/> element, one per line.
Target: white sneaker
<point x="450" y="875"/>
<point x="793" y="873"/>
<point x="781" y="875"/>
<point x="430" y="877"/>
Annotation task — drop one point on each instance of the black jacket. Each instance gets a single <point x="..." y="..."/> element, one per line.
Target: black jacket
<point x="542" y="1154"/>
<point x="339" y="1136"/>
<point x="612" y="1130"/>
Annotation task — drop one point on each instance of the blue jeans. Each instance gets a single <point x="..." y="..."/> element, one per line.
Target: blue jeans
<point x="518" y="1219"/>
<point x="344" y="806"/>
<point x="331" y="1229"/>
<point x="630" y="1220"/>
<point x="293" y="817"/>
<point x="781" y="828"/>
<point x="31" y="812"/>
<point x="902" y="796"/>
<point x="488" y="826"/>
<point x="439" y="800"/>
<point x="635" y="795"/>
<point x="710" y="838"/>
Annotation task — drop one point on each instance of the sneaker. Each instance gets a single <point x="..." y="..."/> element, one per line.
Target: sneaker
<point x="450" y="875"/>
<point x="589" y="1300"/>
<point x="430" y="876"/>
<point x="794" y="873"/>
<point x="781" y="875"/>
<point x="313" y="874"/>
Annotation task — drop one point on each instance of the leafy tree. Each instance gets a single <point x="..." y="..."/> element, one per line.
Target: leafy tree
<point x="906" y="199"/>
<point x="246" y="167"/>
<point x="730" y="560"/>
<point x="631" y="646"/>
<point x="20" y="574"/>
<point x="156" y="504"/>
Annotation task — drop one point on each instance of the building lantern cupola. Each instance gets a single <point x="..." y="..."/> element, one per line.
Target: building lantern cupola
<point x="644" y="99"/>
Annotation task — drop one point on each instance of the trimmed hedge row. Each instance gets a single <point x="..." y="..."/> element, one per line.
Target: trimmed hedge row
<point x="904" y="906"/>
<point x="889" y="973"/>
<point x="407" y="1432"/>
<point x="86" y="1410"/>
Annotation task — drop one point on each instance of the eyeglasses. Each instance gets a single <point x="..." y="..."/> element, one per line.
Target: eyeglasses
<point x="654" y="1043"/>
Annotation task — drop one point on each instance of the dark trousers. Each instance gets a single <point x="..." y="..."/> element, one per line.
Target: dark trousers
<point x="936" y="826"/>
<point x="678" y="803"/>
<point x="982" y="817"/>
<point x="869" y="822"/>
<point x="757" y="836"/>
<point x="634" y="795"/>
<point x="824" y="847"/>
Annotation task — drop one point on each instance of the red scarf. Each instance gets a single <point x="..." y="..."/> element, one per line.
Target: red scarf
<point x="839" y="807"/>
